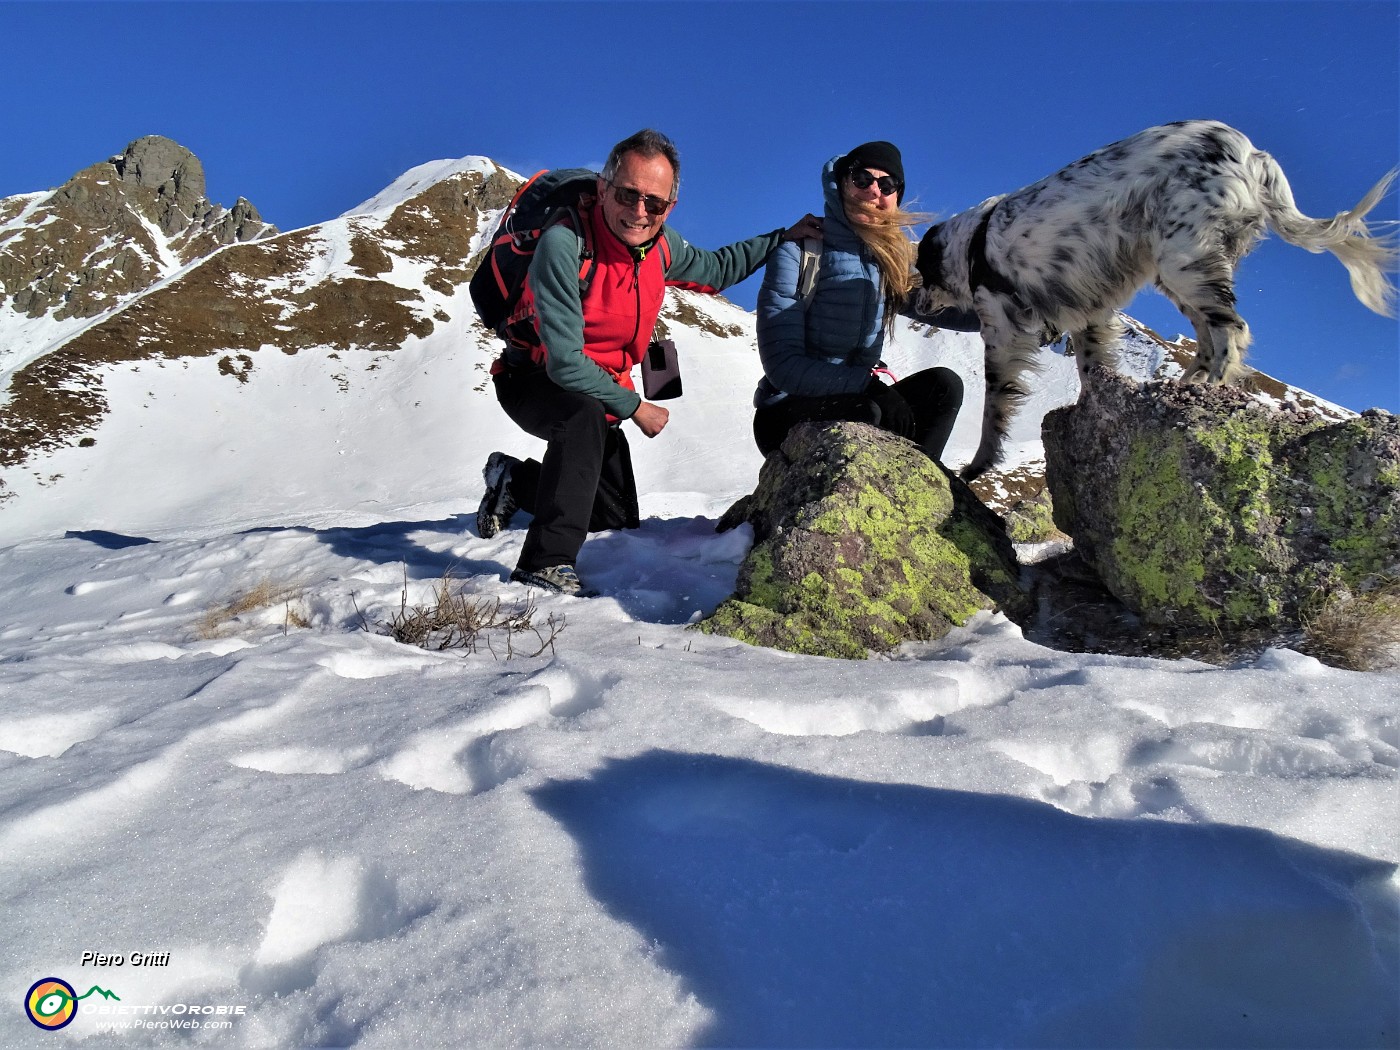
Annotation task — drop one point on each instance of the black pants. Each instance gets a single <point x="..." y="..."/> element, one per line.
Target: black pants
<point x="934" y="395"/>
<point x="584" y="483"/>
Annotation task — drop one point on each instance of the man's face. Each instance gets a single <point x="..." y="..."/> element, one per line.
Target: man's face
<point x="652" y="177"/>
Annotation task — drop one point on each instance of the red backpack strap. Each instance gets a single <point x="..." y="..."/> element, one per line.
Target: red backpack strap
<point x="584" y="227"/>
<point x="504" y="235"/>
<point x="578" y="218"/>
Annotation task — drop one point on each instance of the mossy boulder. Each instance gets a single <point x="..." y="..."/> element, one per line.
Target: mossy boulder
<point x="1032" y="519"/>
<point x="1209" y="508"/>
<point x="862" y="542"/>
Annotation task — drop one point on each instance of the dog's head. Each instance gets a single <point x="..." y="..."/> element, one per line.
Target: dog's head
<point x="934" y="294"/>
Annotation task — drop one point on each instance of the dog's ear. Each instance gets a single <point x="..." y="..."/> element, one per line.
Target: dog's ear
<point x="930" y="260"/>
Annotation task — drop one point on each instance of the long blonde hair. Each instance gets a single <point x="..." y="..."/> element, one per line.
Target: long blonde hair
<point x="886" y="237"/>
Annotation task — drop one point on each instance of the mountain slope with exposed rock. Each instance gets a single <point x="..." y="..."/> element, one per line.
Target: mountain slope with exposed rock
<point x="112" y="231"/>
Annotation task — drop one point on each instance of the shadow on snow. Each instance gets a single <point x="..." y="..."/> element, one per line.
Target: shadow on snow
<point x="812" y="911"/>
<point x="663" y="572"/>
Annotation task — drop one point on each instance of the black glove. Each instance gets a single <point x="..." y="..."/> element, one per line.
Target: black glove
<point x="895" y="414"/>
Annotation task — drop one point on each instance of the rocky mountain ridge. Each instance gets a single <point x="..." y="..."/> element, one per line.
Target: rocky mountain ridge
<point x="113" y="230"/>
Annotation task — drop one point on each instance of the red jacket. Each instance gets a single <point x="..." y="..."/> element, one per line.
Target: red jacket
<point x="591" y="344"/>
<point x="624" y="298"/>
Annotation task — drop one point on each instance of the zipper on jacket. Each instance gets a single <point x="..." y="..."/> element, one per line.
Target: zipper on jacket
<point x="637" y="291"/>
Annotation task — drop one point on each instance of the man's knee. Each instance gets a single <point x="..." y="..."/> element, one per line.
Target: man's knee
<point x="582" y="418"/>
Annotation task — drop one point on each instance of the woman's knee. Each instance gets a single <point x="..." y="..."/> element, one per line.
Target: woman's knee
<point x="768" y="432"/>
<point x="952" y="385"/>
<point x="937" y="386"/>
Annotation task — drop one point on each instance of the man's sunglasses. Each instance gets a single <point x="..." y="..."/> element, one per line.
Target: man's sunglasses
<point x="628" y="198"/>
<point x="860" y="179"/>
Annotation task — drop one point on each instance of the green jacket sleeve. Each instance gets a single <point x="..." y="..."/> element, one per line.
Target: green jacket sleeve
<point x="706" y="271"/>
<point x="559" y="321"/>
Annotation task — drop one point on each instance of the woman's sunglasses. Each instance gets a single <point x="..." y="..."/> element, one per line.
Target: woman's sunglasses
<point x="860" y="179"/>
<point x="628" y="198"/>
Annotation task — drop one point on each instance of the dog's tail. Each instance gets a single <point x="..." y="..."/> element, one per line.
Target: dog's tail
<point x="1367" y="256"/>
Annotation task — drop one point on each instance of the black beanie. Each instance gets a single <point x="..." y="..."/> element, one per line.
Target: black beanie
<point x="879" y="154"/>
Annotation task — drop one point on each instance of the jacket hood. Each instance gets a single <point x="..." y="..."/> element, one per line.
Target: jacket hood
<point x="836" y="228"/>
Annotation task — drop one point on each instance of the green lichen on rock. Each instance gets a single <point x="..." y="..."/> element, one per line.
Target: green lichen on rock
<point x="859" y="546"/>
<point x="1158" y="551"/>
<point x="1202" y="507"/>
<point x="1175" y="533"/>
<point x="1351" y="476"/>
<point x="1032" y="520"/>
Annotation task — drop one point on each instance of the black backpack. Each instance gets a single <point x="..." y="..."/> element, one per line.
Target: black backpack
<point x="546" y="198"/>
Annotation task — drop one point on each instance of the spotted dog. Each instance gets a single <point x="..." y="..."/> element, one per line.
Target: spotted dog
<point x="1178" y="205"/>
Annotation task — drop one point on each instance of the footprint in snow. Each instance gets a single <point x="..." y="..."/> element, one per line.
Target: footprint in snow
<point x="1253" y="752"/>
<point x="89" y="586"/>
<point x="302" y="760"/>
<point x="319" y="901"/>
<point x="365" y="665"/>
<point x="49" y="735"/>
<point x="478" y="754"/>
<point x="135" y="653"/>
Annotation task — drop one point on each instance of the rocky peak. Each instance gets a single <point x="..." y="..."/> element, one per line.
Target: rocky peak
<point x="172" y="172"/>
<point x="112" y="231"/>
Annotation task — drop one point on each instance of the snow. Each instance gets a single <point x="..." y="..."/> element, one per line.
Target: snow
<point x="416" y="180"/>
<point x="640" y="835"/>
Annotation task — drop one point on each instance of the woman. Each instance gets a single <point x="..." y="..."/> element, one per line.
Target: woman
<point x="820" y="350"/>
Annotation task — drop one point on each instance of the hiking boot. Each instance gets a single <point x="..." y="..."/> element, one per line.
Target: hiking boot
<point x="497" y="505"/>
<point x="561" y="579"/>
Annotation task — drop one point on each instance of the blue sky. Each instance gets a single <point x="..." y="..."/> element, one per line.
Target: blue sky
<point x="307" y="109"/>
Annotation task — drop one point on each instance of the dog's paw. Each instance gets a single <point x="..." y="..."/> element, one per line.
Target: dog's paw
<point x="973" y="471"/>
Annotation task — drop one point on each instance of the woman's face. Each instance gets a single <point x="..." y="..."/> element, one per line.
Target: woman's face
<point x="862" y="204"/>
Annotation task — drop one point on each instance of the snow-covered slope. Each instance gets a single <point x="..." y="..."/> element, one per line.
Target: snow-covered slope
<point x="645" y="836"/>
<point x="264" y="346"/>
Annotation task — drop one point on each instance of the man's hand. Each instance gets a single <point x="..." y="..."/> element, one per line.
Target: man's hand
<point x="651" y="419"/>
<point x="807" y="226"/>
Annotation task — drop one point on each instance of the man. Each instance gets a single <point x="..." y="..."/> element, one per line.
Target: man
<point x="576" y="389"/>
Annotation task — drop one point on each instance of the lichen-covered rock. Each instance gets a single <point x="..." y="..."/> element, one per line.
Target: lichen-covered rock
<point x="1201" y="507"/>
<point x="862" y="542"/>
<point x="1032" y="519"/>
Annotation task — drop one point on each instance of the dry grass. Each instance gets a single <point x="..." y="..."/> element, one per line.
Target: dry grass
<point x="1358" y="629"/>
<point x="265" y="594"/>
<point x="454" y="619"/>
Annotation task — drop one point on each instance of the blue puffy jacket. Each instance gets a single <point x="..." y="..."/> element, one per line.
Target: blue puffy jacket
<point x="830" y="346"/>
